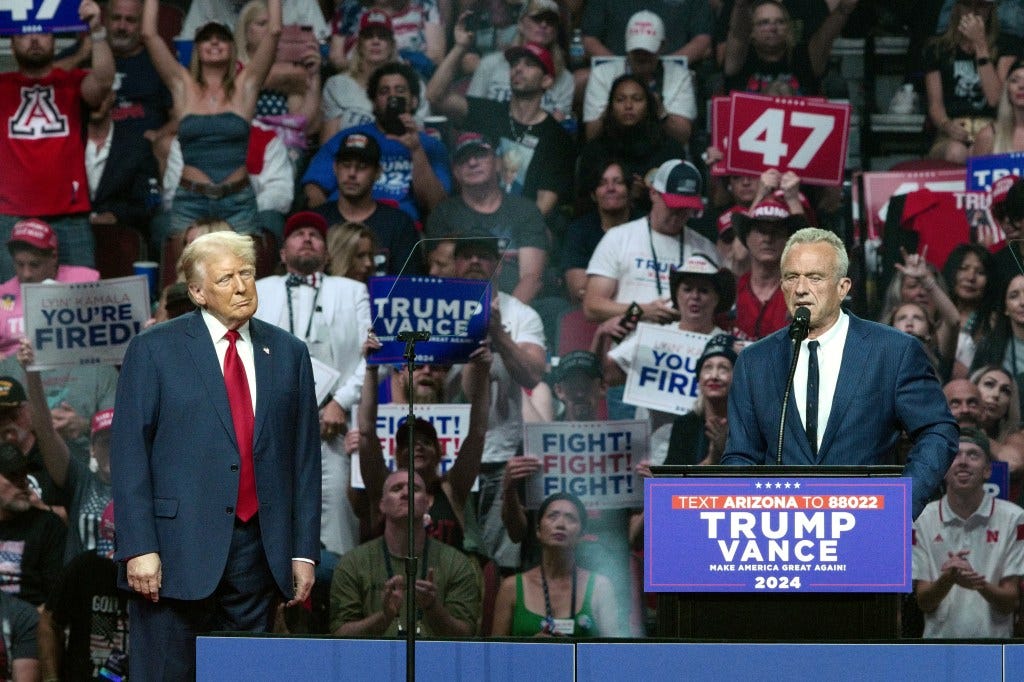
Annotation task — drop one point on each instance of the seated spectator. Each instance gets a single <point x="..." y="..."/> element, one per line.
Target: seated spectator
<point x="271" y="178"/>
<point x="609" y="187"/>
<point x="668" y="84"/>
<point x="419" y="31"/>
<point x="83" y="625"/>
<point x="357" y="171"/>
<point x="698" y="437"/>
<point x="604" y="548"/>
<point x="975" y="293"/>
<point x="21" y="647"/>
<point x="631" y="264"/>
<point x="630" y="131"/>
<point x="1001" y="135"/>
<point x="762" y="54"/>
<point x="1000" y="405"/>
<point x="16" y="429"/>
<point x="968" y="556"/>
<point x="806" y="17"/>
<point x="86" y="486"/>
<point x="33" y="248"/>
<point x="557" y="597"/>
<point x="546" y="149"/>
<point x="345" y="103"/>
<point x="913" y="319"/>
<point x="414" y="166"/>
<point x="764" y="229"/>
<point x="368" y="589"/>
<point x="688" y="26"/>
<point x="539" y="23"/>
<point x="351" y="249"/>
<point x="449" y="491"/>
<point x="289" y="101"/>
<point x="963" y="78"/>
<point x="482" y="208"/>
<point x="441" y="257"/>
<point x="121" y="170"/>
<point x="31" y="572"/>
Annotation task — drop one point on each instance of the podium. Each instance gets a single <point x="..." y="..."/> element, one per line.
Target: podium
<point x="823" y="616"/>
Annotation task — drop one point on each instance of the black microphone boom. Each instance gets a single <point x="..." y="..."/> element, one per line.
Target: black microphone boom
<point x="798" y="330"/>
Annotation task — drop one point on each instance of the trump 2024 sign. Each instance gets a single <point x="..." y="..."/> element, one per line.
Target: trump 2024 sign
<point x="777" y="534"/>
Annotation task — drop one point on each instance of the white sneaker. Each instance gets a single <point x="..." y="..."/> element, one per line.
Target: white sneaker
<point x="904" y="101"/>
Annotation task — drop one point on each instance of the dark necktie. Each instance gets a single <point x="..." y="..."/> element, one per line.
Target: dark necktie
<point x="812" y="396"/>
<point x="241" y="414"/>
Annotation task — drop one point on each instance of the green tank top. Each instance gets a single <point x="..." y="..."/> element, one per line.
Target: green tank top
<point x="526" y="623"/>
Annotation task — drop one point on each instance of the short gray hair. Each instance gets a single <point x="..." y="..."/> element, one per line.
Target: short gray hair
<point x="194" y="257"/>
<point x="816" y="235"/>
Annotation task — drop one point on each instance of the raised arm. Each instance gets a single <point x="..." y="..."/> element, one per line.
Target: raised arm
<point x="96" y="85"/>
<point x="737" y="42"/>
<point x="52" y="447"/>
<point x="441" y="98"/>
<point x="255" y="73"/>
<point x="476" y="382"/>
<point x="819" y="47"/>
<point x="371" y="456"/>
<point x="173" y="74"/>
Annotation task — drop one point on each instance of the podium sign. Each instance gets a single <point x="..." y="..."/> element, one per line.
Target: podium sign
<point x="777" y="535"/>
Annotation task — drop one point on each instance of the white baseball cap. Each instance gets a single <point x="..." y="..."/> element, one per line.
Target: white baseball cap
<point x="645" y="31"/>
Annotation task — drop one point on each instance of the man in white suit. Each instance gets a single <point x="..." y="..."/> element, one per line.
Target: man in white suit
<point x="332" y="315"/>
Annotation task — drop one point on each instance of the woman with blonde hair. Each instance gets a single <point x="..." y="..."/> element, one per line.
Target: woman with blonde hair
<point x="290" y="99"/>
<point x="1006" y="133"/>
<point x="214" y="102"/>
<point x="350" y="251"/>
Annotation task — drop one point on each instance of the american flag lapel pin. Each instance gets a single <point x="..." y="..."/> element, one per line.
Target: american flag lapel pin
<point x="266" y="350"/>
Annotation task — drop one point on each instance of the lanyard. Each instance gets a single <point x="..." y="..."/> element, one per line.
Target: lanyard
<point x="654" y="255"/>
<point x="312" y="310"/>
<point x="423" y="568"/>
<point x="549" y="616"/>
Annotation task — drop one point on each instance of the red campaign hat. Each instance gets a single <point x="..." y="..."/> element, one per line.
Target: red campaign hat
<point x="1000" y="188"/>
<point x="34" y="232"/>
<point x="538" y="53"/>
<point x="101" y="421"/>
<point x="376" y="19"/>
<point x="306" y="219"/>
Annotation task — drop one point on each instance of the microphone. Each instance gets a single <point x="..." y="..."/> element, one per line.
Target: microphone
<point x="800" y="326"/>
<point x="425" y="336"/>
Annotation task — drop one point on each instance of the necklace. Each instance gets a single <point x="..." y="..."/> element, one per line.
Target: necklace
<point x="519" y="130"/>
<point x="548" y="625"/>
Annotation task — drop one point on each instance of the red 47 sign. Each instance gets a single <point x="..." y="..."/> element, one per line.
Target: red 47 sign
<point x="805" y="136"/>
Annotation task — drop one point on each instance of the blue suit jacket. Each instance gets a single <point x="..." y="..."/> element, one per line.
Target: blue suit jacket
<point x="886" y="386"/>
<point x="174" y="459"/>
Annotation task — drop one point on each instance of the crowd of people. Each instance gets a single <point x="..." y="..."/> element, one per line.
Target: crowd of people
<point x="466" y="140"/>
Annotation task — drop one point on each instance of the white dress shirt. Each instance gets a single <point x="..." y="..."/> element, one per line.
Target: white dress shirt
<point x="830" y="359"/>
<point x="243" y="345"/>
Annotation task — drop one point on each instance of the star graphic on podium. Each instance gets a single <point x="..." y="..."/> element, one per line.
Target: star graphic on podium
<point x="778" y="485"/>
<point x="796" y="485"/>
<point x="758" y="485"/>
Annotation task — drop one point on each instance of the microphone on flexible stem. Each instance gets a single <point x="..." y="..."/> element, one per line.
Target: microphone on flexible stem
<point x="425" y="336"/>
<point x="798" y="330"/>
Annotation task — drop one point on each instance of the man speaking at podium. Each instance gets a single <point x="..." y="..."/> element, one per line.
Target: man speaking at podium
<point x="865" y="383"/>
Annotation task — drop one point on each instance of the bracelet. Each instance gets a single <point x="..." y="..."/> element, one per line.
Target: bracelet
<point x="982" y="61"/>
<point x="99" y="34"/>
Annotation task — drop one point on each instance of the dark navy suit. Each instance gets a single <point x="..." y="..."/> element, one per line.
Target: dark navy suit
<point x="885" y="386"/>
<point x="174" y="459"/>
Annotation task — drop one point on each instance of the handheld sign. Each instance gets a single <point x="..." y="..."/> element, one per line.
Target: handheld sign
<point x="450" y="421"/>
<point x="663" y="375"/>
<point x="592" y="460"/>
<point x="777" y="534"/>
<point x="455" y="312"/>
<point x="982" y="171"/>
<point x="84" y="323"/>
<point x="806" y="136"/>
<point x="39" y="16"/>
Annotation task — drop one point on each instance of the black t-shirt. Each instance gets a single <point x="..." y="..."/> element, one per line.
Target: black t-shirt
<point x="543" y="153"/>
<point x="143" y="100"/>
<point x="794" y="74"/>
<point x="396" y="238"/>
<point x="86" y="601"/>
<point x="31" y="554"/>
<point x="19" y="622"/>
<point x="961" y="85"/>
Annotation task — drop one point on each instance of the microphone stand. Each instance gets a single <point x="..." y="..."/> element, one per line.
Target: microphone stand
<point x="797" y="332"/>
<point x="411" y="561"/>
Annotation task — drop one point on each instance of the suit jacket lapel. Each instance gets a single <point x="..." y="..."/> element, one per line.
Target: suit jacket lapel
<point x="262" y="361"/>
<point x="795" y="436"/>
<point x="849" y="380"/>
<point x="204" y="355"/>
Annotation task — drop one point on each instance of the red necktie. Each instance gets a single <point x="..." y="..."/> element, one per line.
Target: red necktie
<point x="241" y="414"/>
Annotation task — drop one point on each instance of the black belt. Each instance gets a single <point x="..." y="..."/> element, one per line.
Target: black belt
<point x="214" y="191"/>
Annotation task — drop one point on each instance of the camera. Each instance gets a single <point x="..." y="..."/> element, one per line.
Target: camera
<point x="391" y="122"/>
<point x="115" y="668"/>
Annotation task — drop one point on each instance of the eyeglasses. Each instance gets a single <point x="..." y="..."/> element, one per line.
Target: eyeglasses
<point x="765" y="23"/>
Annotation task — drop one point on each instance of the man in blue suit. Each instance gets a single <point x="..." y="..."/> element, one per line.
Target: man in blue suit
<point x="874" y="383"/>
<point x="213" y="524"/>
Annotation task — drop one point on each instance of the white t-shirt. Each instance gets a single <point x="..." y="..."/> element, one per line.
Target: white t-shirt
<point x="994" y="535"/>
<point x="345" y="98"/>
<point x="676" y="89"/>
<point x="624" y="254"/>
<point x="491" y="81"/>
